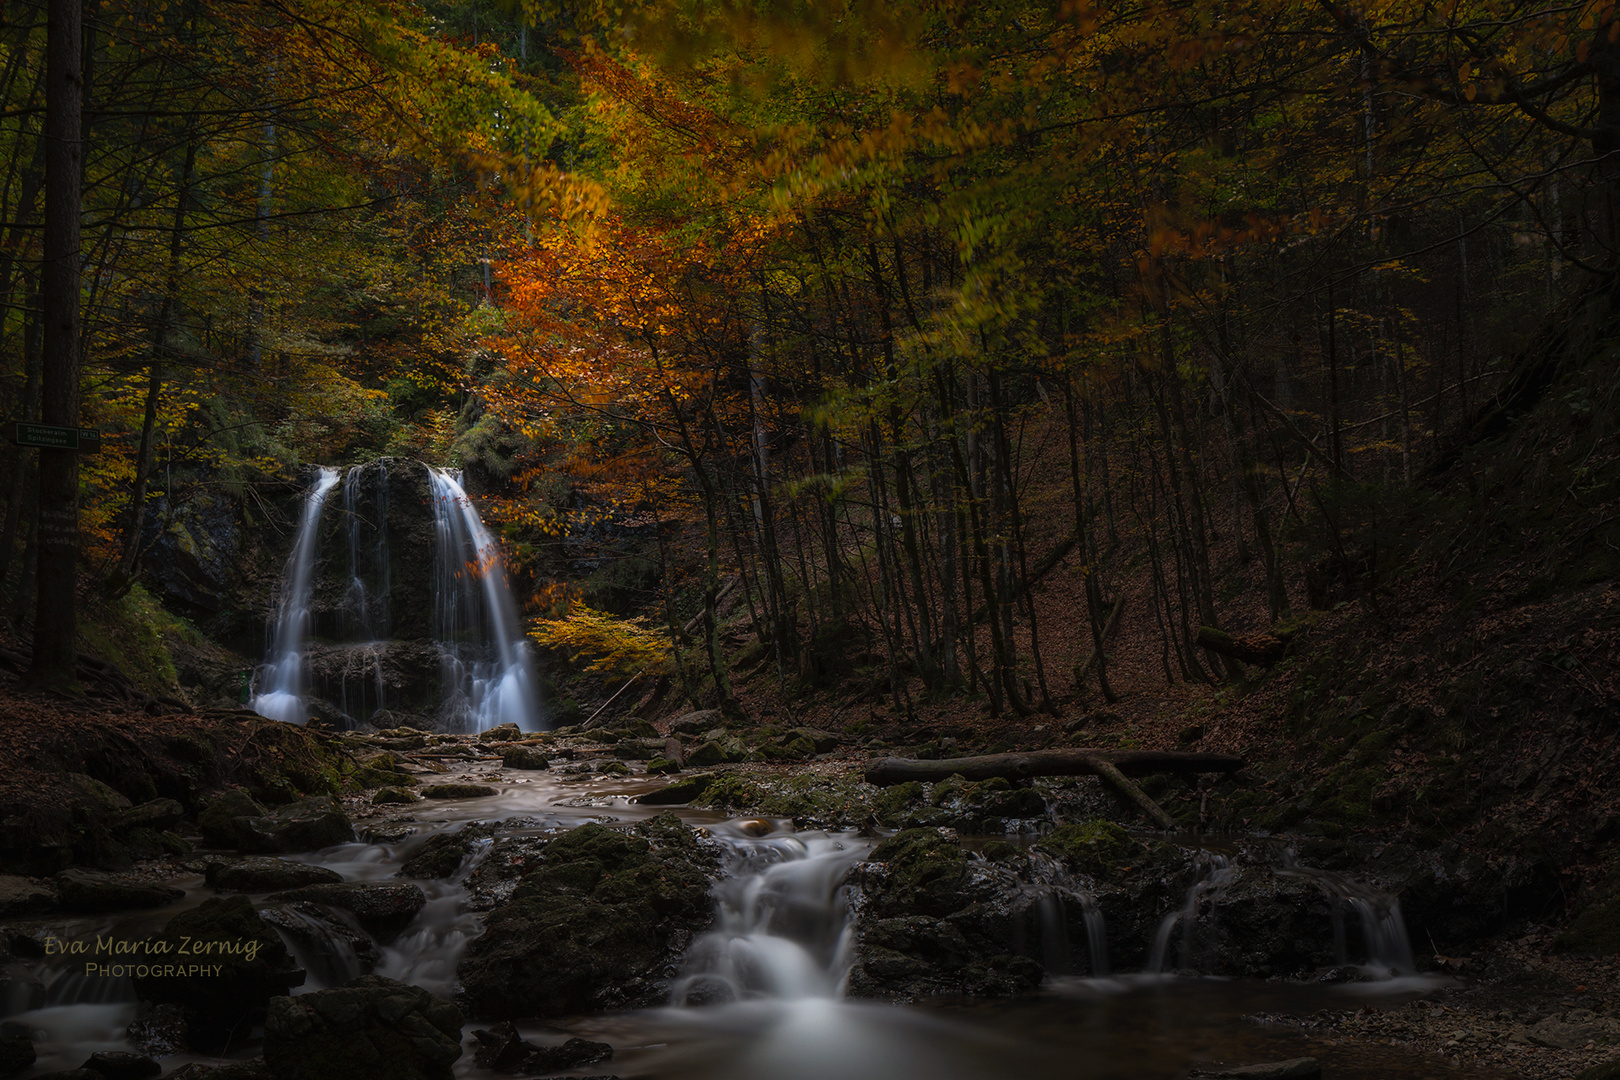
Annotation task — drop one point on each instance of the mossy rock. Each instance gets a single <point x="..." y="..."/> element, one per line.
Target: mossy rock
<point x="458" y="791"/>
<point x="733" y="792"/>
<point x="681" y="791"/>
<point x="662" y="766"/>
<point x="370" y="1028"/>
<point x="1097" y="847"/>
<point x="892" y="804"/>
<point x="594" y="925"/>
<point x="926" y="872"/>
<point x="529" y="758"/>
<point x="393" y="796"/>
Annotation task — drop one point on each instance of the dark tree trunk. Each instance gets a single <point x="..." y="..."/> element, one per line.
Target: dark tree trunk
<point x="55" y="622"/>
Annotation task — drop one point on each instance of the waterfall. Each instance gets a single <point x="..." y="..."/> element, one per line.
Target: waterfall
<point x="486" y="672"/>
<point x="1389" y="950"/>
<point x="282" y="676"/>
<point x="783" y="925"/>
<point x="1215" y="873"/>
<point x="365" y="611"/>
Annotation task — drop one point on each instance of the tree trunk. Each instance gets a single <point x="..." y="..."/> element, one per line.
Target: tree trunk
<point x="55" y="623"/>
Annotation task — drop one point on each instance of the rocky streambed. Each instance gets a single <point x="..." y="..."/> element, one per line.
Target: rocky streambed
<point x="515" y="904"/>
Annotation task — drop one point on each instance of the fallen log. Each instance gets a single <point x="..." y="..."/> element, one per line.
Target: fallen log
<point x="1113" y="767"/>
<point x="1263" y="649"/>
<point x="1076" y="762"/>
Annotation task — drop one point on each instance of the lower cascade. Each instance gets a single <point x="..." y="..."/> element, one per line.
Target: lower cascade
<point x="763" y="990"/>
<point x="394" y="610"/>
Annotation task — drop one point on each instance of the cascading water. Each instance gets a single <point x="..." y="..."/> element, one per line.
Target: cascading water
<point x="1215" y="874"/>
<point x="784" y="928"/>
<point x="1389" y="950"/>
<point x="282" y="677"/>
<point x="487" y="676"/>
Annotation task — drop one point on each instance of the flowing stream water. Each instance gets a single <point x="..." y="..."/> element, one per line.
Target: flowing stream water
<point x="283" y="678"/>
<point x="761" y="995"/>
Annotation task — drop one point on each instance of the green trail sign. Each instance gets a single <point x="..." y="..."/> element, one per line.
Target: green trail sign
<point x="50" y="437"/>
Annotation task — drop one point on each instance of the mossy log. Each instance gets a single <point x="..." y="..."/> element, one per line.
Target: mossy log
<point x="1263" y="649"/>
<point x="1113" y="767"/>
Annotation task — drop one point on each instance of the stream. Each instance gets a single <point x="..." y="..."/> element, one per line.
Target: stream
<point x="761" y="994"/>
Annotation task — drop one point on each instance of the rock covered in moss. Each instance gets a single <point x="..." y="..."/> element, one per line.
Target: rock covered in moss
<point x="598" y="923"/>
<point x="1097" y="848"/>
<point x="932" y="921"/>
<point x="251" y="964"/>
<point x="531" y="758"/>
<point x="370" y="1028"/>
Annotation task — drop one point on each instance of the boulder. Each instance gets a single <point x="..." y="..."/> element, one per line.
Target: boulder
<point x="532" y="758"/>
<point x="501" y="733"/>
<point x="934" y="922"/>
<point x="393" y="796"/>
<point x="443" y="854"/>
<point x="681" y="791"/>
<point x="122" y="1065"/>
<point x="235" y="820"/>
<point x="459" y="791"/>
<point x="92" y="891"/>
<point x="261" y="873"/>
<point x="717" y="752"/>
<point x="25" y="896"/>
<point x="337" y="951"/>
<point x="370" y="1028"/>
<point x="252" y="964"/>
<point x="696" y="723"/>
<point x="158" y="814"/>
<point x="595" y="925"/>
<point x="503" y="1050"/>
<point x="382" y="908"/>
<point x="16" y="1054"/>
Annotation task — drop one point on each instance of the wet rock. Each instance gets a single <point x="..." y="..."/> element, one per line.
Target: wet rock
<point x="501" y="1049"/>
<point x="459" y="791"/>
<point x="158" y="1030"/>
<point x="1292" y="1069"/>
<point x="370" y="1028"/>
<point x="531" y="758"/>
<point x="236" y="820"/>
<point x="337" y="951"/>
<point x="261" y="873"/>
<point x="224" y="821"/>
<point x="16" y="1054"/>
<point x="934" y="922"/>
<point x="253" y="964"/>
<point x="395" y="796"/>
<point x="638" y="749"/>
<point x="663" y="766"/>
<point x="594" y="925"/>
<point x="570" y="1055"/>
<point x="501" y="733"/>
<point x="681" y="791"/>
<point x="1095" y="848"/>
<point x="25" y="896"/>
<point x="122" y="1065"/>
<point x="91" y="891"/>
<point x="443" y="854"/>
<point x="383" y="909"/>
<point x="308" y="825"/>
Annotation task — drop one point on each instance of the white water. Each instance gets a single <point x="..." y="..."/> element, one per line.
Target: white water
<point x="1388" y="948"/>
<point x="487" y="675"/>
<point x="282" y="677"/>
<point x="1215" y="874"/>
<point x="783" y="923"/>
